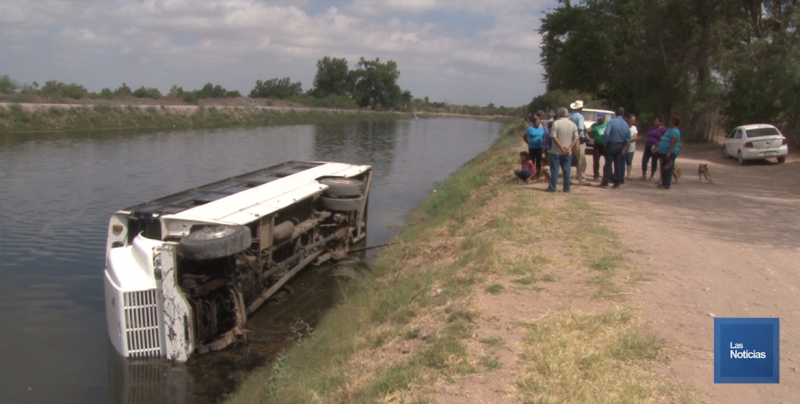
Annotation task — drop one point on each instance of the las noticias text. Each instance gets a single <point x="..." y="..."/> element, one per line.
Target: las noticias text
<point x="745" y="354"/>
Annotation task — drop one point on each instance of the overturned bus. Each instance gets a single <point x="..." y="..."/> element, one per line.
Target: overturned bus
<point x="184" y="272"/>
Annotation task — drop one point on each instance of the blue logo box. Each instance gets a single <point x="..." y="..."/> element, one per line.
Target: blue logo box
<point x="746" y="350"/>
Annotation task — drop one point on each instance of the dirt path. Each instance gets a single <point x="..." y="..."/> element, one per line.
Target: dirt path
<point x="728" y="249"/>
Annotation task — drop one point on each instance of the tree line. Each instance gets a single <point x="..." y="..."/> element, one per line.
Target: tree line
<point x="717" y="63"/>
<point x="371" y="84"/>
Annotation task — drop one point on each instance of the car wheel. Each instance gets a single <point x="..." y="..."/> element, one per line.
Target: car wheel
<point x="215" y="242"/>
<point x="741" y="159"/>
<point x="342" y="204"/>
<point x="340" y="186"/>
<point x="781" y="159"/>
<point x="725" y="154"/>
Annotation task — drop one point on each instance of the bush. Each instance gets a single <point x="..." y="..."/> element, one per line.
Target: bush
<point x="7" y="86"/>
<point x="106" y="93"/>
<point x="123" y="90"/>
<point x="142" y="92"/>
<point x="189" y="96"/>
<point x="276" y="88"/>
<point x="58" y="89"/>
<point x="74" y="91"/>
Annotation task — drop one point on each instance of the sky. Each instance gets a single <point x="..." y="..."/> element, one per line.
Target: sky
<point x="464" y="52"/>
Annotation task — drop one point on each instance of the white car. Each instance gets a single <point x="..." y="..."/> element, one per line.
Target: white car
<point x="752" y="142"/>
<point x="589" y="119"/>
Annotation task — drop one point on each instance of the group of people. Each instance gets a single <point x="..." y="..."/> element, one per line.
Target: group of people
<point x="557" y="145"/>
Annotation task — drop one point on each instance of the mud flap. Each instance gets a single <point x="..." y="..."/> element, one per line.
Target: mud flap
<point x="177" y="314"/>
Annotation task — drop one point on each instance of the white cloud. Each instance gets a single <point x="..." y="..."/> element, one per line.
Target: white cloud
<point x="165" y="42"/>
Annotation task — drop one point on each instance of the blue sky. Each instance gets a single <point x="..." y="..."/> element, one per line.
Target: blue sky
<point x="465" y="52"/>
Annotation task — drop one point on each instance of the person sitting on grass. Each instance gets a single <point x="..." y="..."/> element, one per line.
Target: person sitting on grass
<point x="545" y="174"/>
<point x="526" y="172"/>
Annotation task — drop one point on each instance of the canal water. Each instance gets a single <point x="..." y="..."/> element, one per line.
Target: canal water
<point x="57" y="192"/>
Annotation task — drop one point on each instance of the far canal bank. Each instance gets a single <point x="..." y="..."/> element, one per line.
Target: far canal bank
<point x="43" y="117"/>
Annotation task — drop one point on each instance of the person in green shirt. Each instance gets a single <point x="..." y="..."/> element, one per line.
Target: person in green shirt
<point x="597" y="133"/>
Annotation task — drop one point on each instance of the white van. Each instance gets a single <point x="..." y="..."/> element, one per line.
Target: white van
<point x="589" y="119"/>
<point x="184" y="272"/>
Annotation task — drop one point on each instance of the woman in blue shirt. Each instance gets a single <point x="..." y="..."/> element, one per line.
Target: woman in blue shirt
<point x="535" y="134"/>
<point x="668" y="149"/>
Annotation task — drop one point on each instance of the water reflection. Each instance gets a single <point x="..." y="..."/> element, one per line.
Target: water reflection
<point x="57" y="192"/>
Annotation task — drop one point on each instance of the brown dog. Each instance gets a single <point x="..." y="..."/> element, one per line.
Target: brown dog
<point x="702" y="171"/>
<point x="676" y="174"/>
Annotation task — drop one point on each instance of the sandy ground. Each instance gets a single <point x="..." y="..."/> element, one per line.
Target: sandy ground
<point x="728" y="249"/>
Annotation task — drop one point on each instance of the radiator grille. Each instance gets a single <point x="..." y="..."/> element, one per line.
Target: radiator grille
<point x="141" y="324"/>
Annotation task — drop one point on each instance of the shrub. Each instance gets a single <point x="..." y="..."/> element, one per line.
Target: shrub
<point x="143" y="92"/>
<point x="276" y="88"/>
<point x="7" y="86"/>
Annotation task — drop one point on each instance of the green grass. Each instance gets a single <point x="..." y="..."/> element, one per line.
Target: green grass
<point x="386" y="301"/>
<point x="412" y="334"/>
<point x="461" y="240"/>
<point x="14" y="119"/>
<point x="494" y="288"/>
<point x="491" y="363"/>
<point x="602" y="358"/>
<point x="527" y="280"/>
<point x="494" y="342"/>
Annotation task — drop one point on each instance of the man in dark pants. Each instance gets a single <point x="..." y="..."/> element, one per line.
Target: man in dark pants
<point x="618" y="137"/>
<point x="597" y="133"/>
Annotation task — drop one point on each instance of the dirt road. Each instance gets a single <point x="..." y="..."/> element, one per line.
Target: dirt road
<point x="728" y="249"/>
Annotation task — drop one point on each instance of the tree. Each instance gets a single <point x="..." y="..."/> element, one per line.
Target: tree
<point x="375" y="84"/>
<point x="106" y="93"/>
<point x="331" y="78"/>
<point x="276" y="88"/>
<point x="653" y="57"/>
<point x="406" y="98"/>
<point x="59" y="89"/>
<point x="552" y="100"/>
<point x="143" y="92"/>
<point x="7" y="86"/>
<point x="123" y="90"/>
<point x="761" y="65"/>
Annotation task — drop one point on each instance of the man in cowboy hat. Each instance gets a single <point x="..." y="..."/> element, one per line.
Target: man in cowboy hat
<point x="578" y="153"/>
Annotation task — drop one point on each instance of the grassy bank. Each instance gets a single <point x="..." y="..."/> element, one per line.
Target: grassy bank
<point x="496" y="291"/>
<point x="16" y="118"/>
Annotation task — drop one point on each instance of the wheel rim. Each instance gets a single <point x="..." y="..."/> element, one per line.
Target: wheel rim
<point x="724" y="152"/>
<point x="210" y="233"/>
<point x="741" y="160"/>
